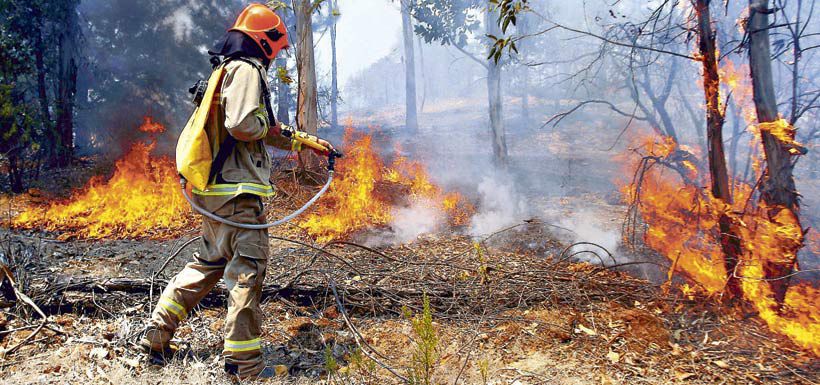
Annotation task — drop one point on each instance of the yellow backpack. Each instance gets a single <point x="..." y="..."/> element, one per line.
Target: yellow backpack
<point x="194" y="154"/>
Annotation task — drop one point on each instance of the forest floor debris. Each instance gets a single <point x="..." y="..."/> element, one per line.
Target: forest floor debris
<point x="502" y="315"/>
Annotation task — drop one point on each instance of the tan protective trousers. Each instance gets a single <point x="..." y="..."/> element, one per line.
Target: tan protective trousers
<point x="238" y="256"/>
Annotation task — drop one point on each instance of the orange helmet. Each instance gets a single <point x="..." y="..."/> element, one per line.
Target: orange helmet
<point x="265" y="27"/>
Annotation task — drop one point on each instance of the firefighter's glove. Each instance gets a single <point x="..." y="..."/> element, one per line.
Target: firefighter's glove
<point x="290" y="132"/>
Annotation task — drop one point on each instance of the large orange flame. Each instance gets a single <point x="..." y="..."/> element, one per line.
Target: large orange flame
<point x="682" y="224"/>
<point x="366" y="190"/>
<point x="140" y="200"/>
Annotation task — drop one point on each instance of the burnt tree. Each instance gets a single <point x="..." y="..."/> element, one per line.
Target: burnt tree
<point x="718" y="172"/>
<point x="777" y="188"/>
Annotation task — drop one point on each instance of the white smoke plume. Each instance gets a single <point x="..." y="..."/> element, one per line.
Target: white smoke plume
<point x="408" y="224"/>
<point x="500" y="205"/>
<point x="586" y="227"/>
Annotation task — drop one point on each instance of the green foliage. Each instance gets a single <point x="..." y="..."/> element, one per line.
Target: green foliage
<point x="364" y="367"/>
<point x="484" y="370"/>
<point x="508" y="11"/>
<point x="449" y="22"/>
<point x="331" y="365"/>
<point x="425" y="353"/>
<point x="283" y="76"/>
<point x="36" y="41"/>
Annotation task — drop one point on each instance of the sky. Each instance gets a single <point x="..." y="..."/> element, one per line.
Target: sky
<point x="367" y="31"/>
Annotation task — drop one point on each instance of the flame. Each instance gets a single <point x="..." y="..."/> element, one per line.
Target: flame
<point x="736" y="80"/>
<point x="784" y="132"/>
<point x="366" y="190"/>
<point x="683" y="225"/>
<point x="150" y="126"/>
<point x="668" y="207"/>
<point x="140" y="200"/>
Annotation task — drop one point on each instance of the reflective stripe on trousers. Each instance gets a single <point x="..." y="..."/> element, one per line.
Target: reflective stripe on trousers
<point x="173" y="307"/>
<point x="243" y="346"/>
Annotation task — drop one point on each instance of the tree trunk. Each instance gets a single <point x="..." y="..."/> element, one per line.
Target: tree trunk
<point x="48" y="149"/>
<point x="411" y="117"/>
<point x="524" y="28"/>
<point x="41" y="81"/>
<point x="15" y="174"/>
<point x="67" y="87"/>
<point x="334" y="73"/>
<point x="282" y="94"/>
<point x="494" y="97"/>
<point x="737" y="134"/>
<point x="714" y="132"/>
<point x="307" y="115"/>
<point x="778" y="190"/>
<point x="423" y="75"/>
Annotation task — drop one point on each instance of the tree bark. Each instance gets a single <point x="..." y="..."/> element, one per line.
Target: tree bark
<point x="411" y="116"/>
<point x="778" y="190"/>
<point x="307" y="115"/>
<point x="494" y="97"/>
<point x="714" y="132"/>
<point x="334" y="73"/>
<point x="67" y="87"/>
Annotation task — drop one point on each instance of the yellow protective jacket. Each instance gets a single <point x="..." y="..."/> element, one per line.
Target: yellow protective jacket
<point x="238" y="111"/>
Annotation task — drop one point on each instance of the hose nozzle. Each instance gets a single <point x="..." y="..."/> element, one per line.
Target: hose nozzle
<point x="331" y="159"/>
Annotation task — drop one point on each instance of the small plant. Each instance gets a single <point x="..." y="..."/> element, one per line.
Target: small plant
<point x="425" y="355"/>
<point x="331" y="366"/>
<point x="484" y="370"/>
<point x="364" y="367"/>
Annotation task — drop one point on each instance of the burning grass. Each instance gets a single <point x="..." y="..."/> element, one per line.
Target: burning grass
<point x="140" y="200"/>
<point x="367" y="189"/>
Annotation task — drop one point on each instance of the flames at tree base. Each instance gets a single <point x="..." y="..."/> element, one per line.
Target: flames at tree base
<point x="682" y="222"/>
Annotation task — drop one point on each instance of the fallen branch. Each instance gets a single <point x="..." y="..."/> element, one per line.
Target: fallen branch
<point x="8" y="278"/>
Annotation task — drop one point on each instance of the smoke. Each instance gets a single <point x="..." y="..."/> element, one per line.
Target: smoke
<point x="500" y="205"/>
<point x="408" y="224"/>
<point x="586" y="228"/>
<point x="181" y="23"/>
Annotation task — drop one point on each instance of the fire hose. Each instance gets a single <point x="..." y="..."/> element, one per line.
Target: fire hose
<point x="331" y="164"/>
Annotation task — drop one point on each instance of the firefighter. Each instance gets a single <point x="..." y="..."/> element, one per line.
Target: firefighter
<point x="238" y="130"/>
